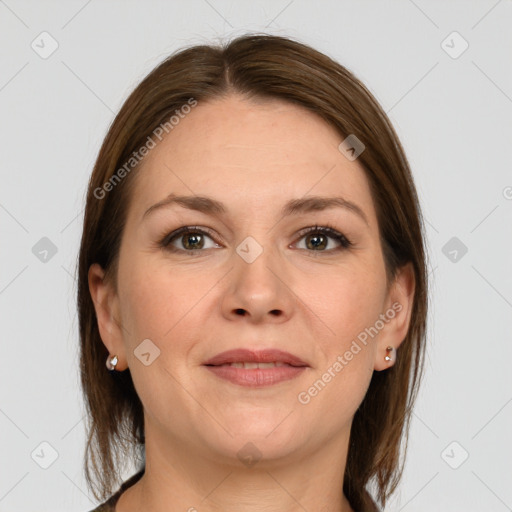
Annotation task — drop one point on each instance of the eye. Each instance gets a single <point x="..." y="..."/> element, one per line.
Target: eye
<point x="193" y="239"/>
<point x="189" y="239"/>
<point x="323" y="239"/>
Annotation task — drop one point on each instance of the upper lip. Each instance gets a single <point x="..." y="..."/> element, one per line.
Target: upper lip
<point x="241" y="355"/>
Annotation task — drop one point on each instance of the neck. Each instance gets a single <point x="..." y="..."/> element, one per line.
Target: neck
<point x="183" y="477"/>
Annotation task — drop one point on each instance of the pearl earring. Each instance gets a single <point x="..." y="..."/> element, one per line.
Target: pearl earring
<point x="390" y="355"/>
<point x="111" y="363"/>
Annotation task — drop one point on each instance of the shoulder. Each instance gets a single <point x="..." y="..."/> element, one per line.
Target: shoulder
<point x="103" y="508"/>
<point x="109" y="505"/>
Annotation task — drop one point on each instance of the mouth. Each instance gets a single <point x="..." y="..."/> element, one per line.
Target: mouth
<point x="256" y="368"/>
<point x="250" y="365"/>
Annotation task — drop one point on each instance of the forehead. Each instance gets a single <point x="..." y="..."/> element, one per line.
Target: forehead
<point x="250" y="153"/>
<point x="239" y="130"/>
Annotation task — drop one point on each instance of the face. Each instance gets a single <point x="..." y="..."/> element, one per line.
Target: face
<point x="267" y="268"/>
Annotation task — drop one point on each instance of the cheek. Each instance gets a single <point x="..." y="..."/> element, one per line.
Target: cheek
<point x="161" y="304"/>
<point x="346" y="302"/>
<point x="148" y="302"/>
<point x="158" y="305"/>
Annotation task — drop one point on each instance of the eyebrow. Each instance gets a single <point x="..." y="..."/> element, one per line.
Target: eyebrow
<point x="295" y="206"/>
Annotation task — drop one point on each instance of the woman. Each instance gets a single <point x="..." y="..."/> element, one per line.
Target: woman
<point x="252" y="273"/>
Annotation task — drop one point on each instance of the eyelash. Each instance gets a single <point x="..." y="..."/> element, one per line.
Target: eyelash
<point x="326" y="230"/>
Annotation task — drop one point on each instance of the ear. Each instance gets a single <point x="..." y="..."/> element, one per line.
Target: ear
<point x="397" y="314"/>
<point x="106" y="306"/>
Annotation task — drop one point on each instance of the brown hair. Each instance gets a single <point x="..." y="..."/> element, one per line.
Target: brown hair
<point x="259" y="67"/>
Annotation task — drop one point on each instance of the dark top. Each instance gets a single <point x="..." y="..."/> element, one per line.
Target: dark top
<point x="110" y="504"/>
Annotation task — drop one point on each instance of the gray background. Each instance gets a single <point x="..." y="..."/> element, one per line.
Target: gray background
<point x="454" y="115"/>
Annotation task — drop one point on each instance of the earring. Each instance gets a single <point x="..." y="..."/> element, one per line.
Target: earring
<point x="390" y="355"/>
<point x="111" y="363"/>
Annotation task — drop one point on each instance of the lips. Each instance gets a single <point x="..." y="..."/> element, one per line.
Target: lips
<point x="255" y="356"/>
<point x="256" y="368"/>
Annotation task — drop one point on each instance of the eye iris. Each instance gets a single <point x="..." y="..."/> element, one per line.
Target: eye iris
<point x="317" y="241"/>
<point x="193" y="241"/>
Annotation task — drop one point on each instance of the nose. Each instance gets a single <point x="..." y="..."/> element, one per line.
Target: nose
<point x="257" y="291"/>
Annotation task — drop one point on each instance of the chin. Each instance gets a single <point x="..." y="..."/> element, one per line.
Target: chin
<point x="270" y="440"/>
<point x="269" y="421"/>
<point x="261" y="451"/>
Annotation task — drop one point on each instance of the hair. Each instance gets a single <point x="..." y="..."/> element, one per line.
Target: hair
<point x="259" y="67"/>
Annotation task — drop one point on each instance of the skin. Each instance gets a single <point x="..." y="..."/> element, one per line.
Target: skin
<point x="253" y="157"/>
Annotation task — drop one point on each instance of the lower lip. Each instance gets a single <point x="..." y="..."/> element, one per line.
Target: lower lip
<point x="256" y="377"/>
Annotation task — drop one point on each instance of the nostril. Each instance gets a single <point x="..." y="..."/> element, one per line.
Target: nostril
<point x="242" y="312"/>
